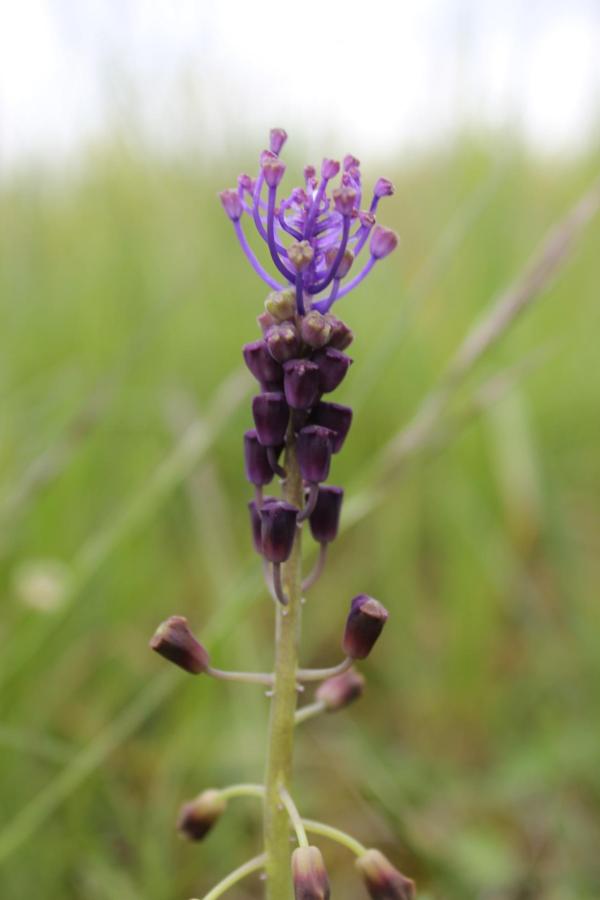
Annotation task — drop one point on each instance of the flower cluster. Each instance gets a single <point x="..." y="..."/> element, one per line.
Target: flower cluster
<point x="313" y="239"/>
<point x="298" y="362"/>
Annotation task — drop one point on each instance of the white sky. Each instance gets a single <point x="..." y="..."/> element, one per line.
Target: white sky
<point x="365" y="74"/>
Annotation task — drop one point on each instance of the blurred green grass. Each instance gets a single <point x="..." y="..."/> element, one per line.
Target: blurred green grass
<point x="474" y="759"/>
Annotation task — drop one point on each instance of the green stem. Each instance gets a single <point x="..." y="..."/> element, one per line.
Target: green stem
<point x="334" y="834"/>
<point x="248" y="868"/>
<point x="283" y="706"/>
<point x="242" y="790"/>
<point x="309" y="711"/>
<point x="295" y="817"/>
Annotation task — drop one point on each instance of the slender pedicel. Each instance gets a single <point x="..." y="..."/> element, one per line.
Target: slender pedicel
<point x="335" y="834"/>
<point x="245" y="677"/>
<point x="322" y="674"/>
<point x="253" y="865"/>
<point x="311" y="502"/>
<point x="317" y="569"/>
<point x="310" y="711"/>
<point x="278" y="584"/>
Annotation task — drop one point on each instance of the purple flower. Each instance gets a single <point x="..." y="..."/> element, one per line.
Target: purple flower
<point x="309" y="874"/>
<point x="258" y="468"/>
<point x="364" y="625"/>
<point x="271" y="415"/>
<point x="325" y="518"/>
<point x="261" y="363"/>
<point x="333" y="365"/>
<point x="382" y="880"/>
<point x="200" y="816"/>
<point x="336" y="417"/>
<point x="174" y="641"/>
<point x="313" y="448"/>
<point x="315" y="232"/>
<point x="301" y="383"/>
<point x="278" y="530"/>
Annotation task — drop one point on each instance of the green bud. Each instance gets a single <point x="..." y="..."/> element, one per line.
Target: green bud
<point x="281" y="305"/>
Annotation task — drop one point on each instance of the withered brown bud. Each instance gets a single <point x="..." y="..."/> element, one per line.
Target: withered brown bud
<point x="341" y="690"/>
<point x="174" y="640"/>
<point x="309" y="874"/>
<point x="363" y="626"/>
<point x="199" y="816"/>
<point x="382" y="880"/>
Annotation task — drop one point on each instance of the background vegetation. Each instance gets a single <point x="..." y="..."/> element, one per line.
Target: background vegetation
<point x="474" y="759"/>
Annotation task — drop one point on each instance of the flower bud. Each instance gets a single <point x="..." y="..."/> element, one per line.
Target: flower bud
<point x="273" y="170"/>
<point x="383" y="188"/>
<point x="265" y="321"/>
<point x="245" y="183"/>
<point x="337" y="418"/>
<point x="309" y="173"/>
<point x="363" y="626"/>
<point x="301" y="383"/>
<point x="329" y="168"/>
<point x="255" y="522"/>
<point x="341" y="690"/>
<point x="341" y="334"/>
<point x="271" y="415"/>
<point x="281" y="305"/>
<point x="344" y="199"/>
<point x="366" y="217"/>
<point x="174" y="640"/>
<point x="277" y="138"/>
<point x="313" y="450"/>
<point x="382" y="880"/>
<point x="350" y="162"/>
<point x="283" y="342"/>
<point x="258" y="467"/>
<point x="232" y="204"/>
<point x="199" y="816"/>
<point x="345" y="264"/>
<point x="309" y="874"/>
<point x="383" y="242"/>
<point x="325" y="518"/>
<point x="315" y="329"/>
<point x="261" y="364"/>
<point x="300" y="254"/>
<point x="333" y="365"/>
<point x="278" y="530"/>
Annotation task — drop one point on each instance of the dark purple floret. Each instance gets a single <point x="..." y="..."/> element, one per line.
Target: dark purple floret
<point x="258" y="467"/>
<point x="315" y="233"/>
<point x="261" y="364"/>
<point x="174" y="641"/>
<point x="315" y="330"/>
<point x="333" y="365"/>
<point x="313" y="449"/>
<point x="301" y="383"/>
<point x="271" y="416"/>
<point x="278" y="530"/>
<point x="325" y="518"/>
<point x="336" y="417"/>
<point x="198" y="817"/>
<point x="363" y="626"/>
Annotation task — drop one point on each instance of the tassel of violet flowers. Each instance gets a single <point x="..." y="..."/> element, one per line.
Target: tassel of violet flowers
<point x="314" y="236"/>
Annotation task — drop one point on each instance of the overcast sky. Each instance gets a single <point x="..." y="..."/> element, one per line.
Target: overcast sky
<point x="365" y="74"/>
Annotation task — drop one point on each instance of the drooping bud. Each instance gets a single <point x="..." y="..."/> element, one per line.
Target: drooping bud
<point x="256" y="460"/>
<point x="341" y="690"/>
<point x="315" y="329"/>
<point x="300" y="254"/>
<point x="174" y="641"/>
<point x="382" y="880"/>
<point x="309" y="874"/>
<point x="341" y="335"/>
<point x="271" y="415"/>
<point x="281" y="305"/>
<point x="199" y="816"/>
<point x="344" y="199"/>
<point x="301" y="383"/>
<point x="345" y="264"/>
<point x="278" y="530"/>
<point x="329" y="168"/>
<point x="277" y="138"/>
<point x="336" y="417"/>
<point x="245" y="183"/>
<point x="232" y="204"/>
<point x="324" y="520"/>
<point x="333" y="365"/>
<point x="261" y="364"/>
<point x="383" y="242"/>
<point x="273" y="170"/>
<point x="313" y="450"/>
<point x="363" y="626"/>
<point x="283" y="342"/>
<point x="383" y="188"/>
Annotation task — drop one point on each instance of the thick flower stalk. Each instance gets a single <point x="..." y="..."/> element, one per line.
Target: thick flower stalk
<point x="314" y="236"/>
